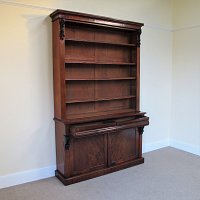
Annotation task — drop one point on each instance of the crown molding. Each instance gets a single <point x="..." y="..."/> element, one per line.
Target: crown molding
<point x="158" y="28"/>
<point x="25" y="5"/>
<point x="187" y="28"/>
<point x="50" y="9"/>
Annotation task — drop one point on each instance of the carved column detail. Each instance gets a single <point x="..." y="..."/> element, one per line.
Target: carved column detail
<point x="67" y="142"/>
<point x="62" y="29"/>
<point x="140" y="130"/>
<point x="138" y="37"/>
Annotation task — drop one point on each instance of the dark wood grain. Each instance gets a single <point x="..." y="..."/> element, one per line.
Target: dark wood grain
<point x="56" y="70"/>
<point x="90" y="154"/>
<point x="122" y="146"/>
<point x="60" y="151"/>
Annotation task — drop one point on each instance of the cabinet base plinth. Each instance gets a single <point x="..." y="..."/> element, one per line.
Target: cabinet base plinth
<point x="89" y="175"/>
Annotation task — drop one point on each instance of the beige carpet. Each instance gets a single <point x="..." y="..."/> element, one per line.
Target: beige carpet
<point x="167" y="174"/>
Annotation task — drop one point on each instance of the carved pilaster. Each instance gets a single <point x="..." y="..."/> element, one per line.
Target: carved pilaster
<point x="67" y="142"/>
<point x="140" y="130"/>
<point x="62" y="29"/>
<point x="138" y="37"/>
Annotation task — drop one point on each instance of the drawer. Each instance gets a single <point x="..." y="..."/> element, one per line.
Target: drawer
<point x="93" y="128"/>
<point x="107" y="126"/>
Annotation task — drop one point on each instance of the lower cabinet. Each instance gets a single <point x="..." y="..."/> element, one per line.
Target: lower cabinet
<point x="94" y="152"/>
<point x="102" y="151"/>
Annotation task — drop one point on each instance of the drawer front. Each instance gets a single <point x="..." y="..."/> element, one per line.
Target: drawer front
<point x="123" y="146"/>
<point x="88" y="154"/>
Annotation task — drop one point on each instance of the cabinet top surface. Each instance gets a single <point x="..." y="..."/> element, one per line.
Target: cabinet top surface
<point x="87" y="117"/>
<point x="76" y="16"/>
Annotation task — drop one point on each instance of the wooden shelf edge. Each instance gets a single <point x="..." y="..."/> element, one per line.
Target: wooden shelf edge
<point x="67" y="61"/>
<point x="99" y="42"/>
<point x="102" y="99"/>
<point x="101" y="79"/>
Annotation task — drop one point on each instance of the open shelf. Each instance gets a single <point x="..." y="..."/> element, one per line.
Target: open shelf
<point x="100" y="99"/>
<point x="100" y="79"/>
<point x="99" y="42"/>
<point x="97" y="62"/>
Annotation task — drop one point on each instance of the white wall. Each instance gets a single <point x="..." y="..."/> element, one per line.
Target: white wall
<point x="27" y="143"/>
<point x="26" y="98"/>
<point x="185" y="128"/>
<point x="156" y="86"/>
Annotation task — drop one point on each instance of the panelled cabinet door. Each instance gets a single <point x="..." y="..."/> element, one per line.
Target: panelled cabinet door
<point x="122" y="146"/>
<point x="88" y="154"/>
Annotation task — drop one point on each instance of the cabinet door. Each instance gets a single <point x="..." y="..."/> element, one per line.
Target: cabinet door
<point x="123" y="146"/>
<point x="88" y="154"/>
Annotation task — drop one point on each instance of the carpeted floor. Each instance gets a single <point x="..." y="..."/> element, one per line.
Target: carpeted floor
<point x="167" y="174"/>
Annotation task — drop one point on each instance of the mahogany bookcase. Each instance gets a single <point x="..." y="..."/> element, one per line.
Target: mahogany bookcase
<point x="98" y="123"/>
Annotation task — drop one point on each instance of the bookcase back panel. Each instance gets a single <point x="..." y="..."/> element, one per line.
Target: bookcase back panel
<point x="96" y="34"/>
<point x="79" y="32"/>
<point x="91" y="52"/>
<point x="133" y="37"/>
<point x="80" y="90"/>
<point x="133" y="71"/>
<point x="76" y="108"/>
<point x="133" y="55"/>
<point x="77" y="71"/>
<point x="94" y="107"/>
<point x="112" y="71"/>
<point x="112" y="53"/>
<point x="112" y="89"/>
<point x="112" y="36"/>
<point x="80" y="51"/>
<point x="112" y="105"/>
<point x="88" y="71"/>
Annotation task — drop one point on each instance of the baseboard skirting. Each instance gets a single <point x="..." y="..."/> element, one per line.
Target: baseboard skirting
<point x="154" y="146"/>
<point x="172" y="143"/>
<point x="46" y="172"/>
<point x="194" y="149"/>
<point x="27" y="176"/>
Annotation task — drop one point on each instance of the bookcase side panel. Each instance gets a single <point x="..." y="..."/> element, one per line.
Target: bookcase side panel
<point x="58" y="68"/>
<point x="138" y="81"/>
<point x="60" y="150"/>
